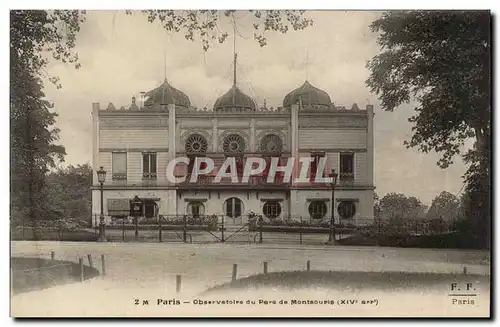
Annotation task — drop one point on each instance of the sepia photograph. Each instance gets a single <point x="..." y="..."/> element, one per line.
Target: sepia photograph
<point x="250" y="163"/>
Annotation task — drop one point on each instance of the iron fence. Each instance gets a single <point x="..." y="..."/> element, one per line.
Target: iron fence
<point x="243" y="229"/>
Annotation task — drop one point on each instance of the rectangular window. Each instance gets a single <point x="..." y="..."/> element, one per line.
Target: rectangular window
<point x="119" y="162"/>
<point x="346" y="165"/>
<point x="314" y="165"/>
<point x="149" y="165"/>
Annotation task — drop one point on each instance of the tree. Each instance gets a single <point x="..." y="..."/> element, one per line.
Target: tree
<point x="398" y="207"/>
<point x="441" y="59"/>
<point x="444" y="206"/>
<point x="204" y="24"/>
<point x="33" y="35"/>
<point x="69" y="194"/>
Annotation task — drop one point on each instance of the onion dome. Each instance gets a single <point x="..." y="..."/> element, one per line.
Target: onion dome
<point x="166" y="94"/>
<point x="234" y="98"/>
<point x="309" y="94"/>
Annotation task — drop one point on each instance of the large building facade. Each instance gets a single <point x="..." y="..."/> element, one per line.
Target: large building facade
<point x="135" y="144"/>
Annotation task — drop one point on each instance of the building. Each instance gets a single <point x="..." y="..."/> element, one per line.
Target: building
<point x="135" y="144"/>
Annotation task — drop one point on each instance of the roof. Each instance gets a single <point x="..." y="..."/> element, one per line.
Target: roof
<point x="234" y="98"/>
<point x="309" y="94"/>
<point x="166" y="94"/>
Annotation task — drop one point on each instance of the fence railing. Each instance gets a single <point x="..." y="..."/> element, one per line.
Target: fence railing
<point x="213" y="228"/>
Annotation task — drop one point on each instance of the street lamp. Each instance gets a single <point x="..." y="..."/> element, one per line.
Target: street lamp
<point x="331" y="238"/>
<point x="101" y="177"/>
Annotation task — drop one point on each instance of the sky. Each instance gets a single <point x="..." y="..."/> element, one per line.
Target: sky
<point x="122" y="55"/>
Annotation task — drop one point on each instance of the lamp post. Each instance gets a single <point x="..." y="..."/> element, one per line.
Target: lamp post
<point x="101" y="177"/>
<point x="331" y="238"/>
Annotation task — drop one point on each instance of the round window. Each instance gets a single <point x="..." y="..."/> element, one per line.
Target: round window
<point x="196" y="143"/>
<point x="271" y="144"/>
<point x="233" y="207"/>
<point x="234" y="143"/>
<point x="317" y="209"/>
<point x="272" y="209"/>
<point x="346" y="209"/>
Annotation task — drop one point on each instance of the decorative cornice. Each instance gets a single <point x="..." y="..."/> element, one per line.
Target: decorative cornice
<point x="332" y="150"/>
<point x="136" y="113"/>
<point x="354" y="121"/>
<point x="133" y="150"/>
<point x="139" y="122"/>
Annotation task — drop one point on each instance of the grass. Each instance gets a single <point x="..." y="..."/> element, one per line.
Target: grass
<point x="52" y="235"/>
<point x="29" y="274"/>
<point x="439" y="241"/>
<point x="348" y="280"/>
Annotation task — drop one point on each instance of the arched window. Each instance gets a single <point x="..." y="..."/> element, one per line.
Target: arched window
<point x="233" y="207"/>
<point x="272" y="209"/>
<point x="196" y="144"/>
<point x="233" y="143"/>
<point x="346" y="209"/>
<point x="317" y="209"/>
<point x="271" y="144"/>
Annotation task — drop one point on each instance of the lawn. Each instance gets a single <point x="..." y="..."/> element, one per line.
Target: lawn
<point x="351" y="281"/>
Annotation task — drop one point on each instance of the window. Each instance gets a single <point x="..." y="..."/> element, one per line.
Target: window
<point x="346" y="209"/>
<point x="346" y="166"/>
<point x="272" y="209"/>
<point x="314" y="165"/>
<point x="149" y="165"/>
<point x="196" y="209"/>
<point x="233" y="143"/>
<point x="271" y="143"/>
<point x="196" y="143"/>
<point x="119" y="160"/>
<point x="233" y="207"/>
<point x="150" y="208"/>
<point x="317" y="209"/>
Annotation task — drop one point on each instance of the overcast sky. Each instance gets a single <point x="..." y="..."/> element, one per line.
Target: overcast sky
<point x="123" y="55"/>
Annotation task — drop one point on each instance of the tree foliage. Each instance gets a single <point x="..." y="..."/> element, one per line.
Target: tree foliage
<point x="69" y="193"/>
<point x="205" y="24"/>
<point x="34" y="36"/>
<point x="441" y="59"/>
<point x="398" y="207"/>
<point x="445" y="206"/>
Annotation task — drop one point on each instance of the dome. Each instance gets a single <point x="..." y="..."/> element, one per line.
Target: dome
<point x="309" y="94"/>
<point x="234" y="98"/>
<point x="166" y="94"/>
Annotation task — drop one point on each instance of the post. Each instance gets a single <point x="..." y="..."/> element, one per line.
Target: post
<point x="465" y="270"/>
<point x="159" y="227"/>
<point x="331" y="239"/>
<point x="52" y="255"/>
<point x="300" y="230"/>
<point x="123" y="229"/>
<point x="265" y="267"/>
<point x="103" y="262"/>
<point x="222" y="230"/>
<point x="91" y="264"/>
<point x="260" y="229"/>
<point x="178" y="283"/>
<point x="235" y="272"/>
<point x="136" y="228"/>
<point x="308" y="265"/>
<point x="184" y="229"/>
<point x="102" y="231"/>
<point x="80" y="260"/>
